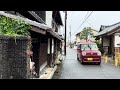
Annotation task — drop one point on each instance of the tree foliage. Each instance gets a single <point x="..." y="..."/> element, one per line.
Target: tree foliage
<point x="84" y="34"/>
<point x="99" y="44"/>
<point x="13" y="27"/>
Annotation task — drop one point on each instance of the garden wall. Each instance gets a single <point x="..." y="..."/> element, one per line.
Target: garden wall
<point x="14" y="62"/>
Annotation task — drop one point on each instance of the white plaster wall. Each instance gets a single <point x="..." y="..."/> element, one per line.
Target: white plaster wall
<point x="48" y="45"/>
<point x="59" y="30"/>
<point x="52" y="45"/>
<point x="117" y="40"/>
<point x="49" y="18"/>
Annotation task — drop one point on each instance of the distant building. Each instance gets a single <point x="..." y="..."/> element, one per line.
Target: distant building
<point x="90" y="36"/>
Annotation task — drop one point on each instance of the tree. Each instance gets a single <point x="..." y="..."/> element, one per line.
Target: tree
<point x="86" y="31"/>
<point x="99" y="44"/>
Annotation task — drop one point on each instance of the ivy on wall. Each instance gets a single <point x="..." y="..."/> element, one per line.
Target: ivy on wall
<point x="13" y="27"/>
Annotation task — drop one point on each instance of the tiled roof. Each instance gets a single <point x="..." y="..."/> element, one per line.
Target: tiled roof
<point x="109" y="29"/>
<point x="33" y="23"/>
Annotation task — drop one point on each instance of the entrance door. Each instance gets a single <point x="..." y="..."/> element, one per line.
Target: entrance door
<point x="43" y="51"/>
<point x="35" y="49"/>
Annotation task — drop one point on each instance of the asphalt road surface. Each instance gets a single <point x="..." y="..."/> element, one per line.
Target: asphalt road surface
<point x="71" y="68"/>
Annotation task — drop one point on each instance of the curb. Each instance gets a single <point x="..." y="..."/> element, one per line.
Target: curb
<point x="50" y="72"/>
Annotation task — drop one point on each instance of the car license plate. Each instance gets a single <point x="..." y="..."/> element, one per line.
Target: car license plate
<point x="89" y="59"/>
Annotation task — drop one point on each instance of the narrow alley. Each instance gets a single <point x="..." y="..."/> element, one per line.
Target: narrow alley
<point x="53" y="44"/>
<point x="71" y="68"/>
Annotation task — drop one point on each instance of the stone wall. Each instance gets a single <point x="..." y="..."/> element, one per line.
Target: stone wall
<point x="14" y="62"/>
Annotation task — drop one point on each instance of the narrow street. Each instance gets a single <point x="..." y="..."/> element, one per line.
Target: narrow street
<point x="44" y="44"/>
<point x="71" y="68"/>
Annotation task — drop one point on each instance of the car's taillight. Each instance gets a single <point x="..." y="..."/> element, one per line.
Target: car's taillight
<point x="98" y="53"/>
<point x="83" y="53"/>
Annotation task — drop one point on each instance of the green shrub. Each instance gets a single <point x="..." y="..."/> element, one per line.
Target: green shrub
<point x="13" y="27"/>
<point x="99" y="44"/>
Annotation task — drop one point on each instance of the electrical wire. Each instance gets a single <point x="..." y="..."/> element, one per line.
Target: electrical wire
<point x="91" y="25"/>
<point x="83" y="21"/>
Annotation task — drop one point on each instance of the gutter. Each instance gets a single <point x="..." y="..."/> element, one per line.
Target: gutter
<point x="48" y="74"/>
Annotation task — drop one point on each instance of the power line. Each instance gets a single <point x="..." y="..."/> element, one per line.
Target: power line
<point x="91" y="25"/>
<point x="70" y="34"/>
<point x="83" y="21"/>
<point x="71" y="16"/>
<point x="86" y="14"/>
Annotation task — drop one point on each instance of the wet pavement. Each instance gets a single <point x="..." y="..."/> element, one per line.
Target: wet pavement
<point x="71" y="68"/>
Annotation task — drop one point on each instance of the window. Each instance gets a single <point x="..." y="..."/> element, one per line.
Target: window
<point x="89" y="47"/>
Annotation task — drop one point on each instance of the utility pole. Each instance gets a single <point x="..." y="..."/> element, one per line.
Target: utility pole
<point x="65" y="32"/>
<point x="70" y="36"/>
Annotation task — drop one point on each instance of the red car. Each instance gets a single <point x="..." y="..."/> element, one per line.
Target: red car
<point x="88" y="52"/>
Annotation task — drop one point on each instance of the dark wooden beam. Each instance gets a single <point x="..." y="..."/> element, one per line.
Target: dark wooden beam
<point x="38" y="30"/>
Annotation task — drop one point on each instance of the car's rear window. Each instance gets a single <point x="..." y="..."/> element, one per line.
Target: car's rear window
<point x="89" y="47"/>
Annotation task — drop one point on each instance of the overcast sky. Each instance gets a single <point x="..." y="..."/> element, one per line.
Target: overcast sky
<point x="96" y="19"/>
